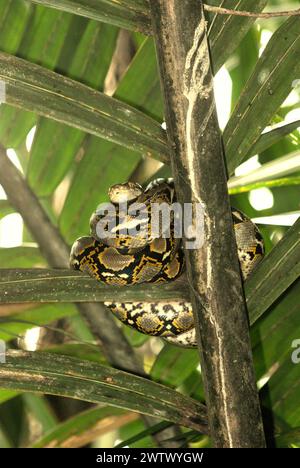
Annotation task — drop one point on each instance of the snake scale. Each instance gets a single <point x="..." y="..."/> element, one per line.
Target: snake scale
<point x="124" y="259"/>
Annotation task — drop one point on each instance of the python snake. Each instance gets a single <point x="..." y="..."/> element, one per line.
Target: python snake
<point x="124" y="259"/>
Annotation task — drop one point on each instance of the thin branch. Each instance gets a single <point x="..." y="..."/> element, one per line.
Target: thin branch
<point x="249" y="14"/>
<point x="66" y="376"/>
<point x="118" y="13"/>
<point x="281" y="182"/>
<point x="200" y="179"/>
<point x="47" y="285"/>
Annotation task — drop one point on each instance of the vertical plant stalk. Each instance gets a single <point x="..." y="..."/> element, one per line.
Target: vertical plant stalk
<point x="213" y="269"/>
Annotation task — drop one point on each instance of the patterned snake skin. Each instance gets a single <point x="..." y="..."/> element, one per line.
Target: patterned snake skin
<point x="124" y="259"/>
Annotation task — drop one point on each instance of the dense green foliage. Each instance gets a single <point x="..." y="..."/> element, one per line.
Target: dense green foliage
<point x="85" y="141"/>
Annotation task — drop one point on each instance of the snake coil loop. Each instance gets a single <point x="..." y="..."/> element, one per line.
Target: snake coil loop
<point x="123" y="259"/>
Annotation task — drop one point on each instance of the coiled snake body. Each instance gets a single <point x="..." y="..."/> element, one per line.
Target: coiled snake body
<point x="123" y="259"/>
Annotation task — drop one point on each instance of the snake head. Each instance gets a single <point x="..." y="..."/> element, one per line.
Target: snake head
<point x="121" y="193"/>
